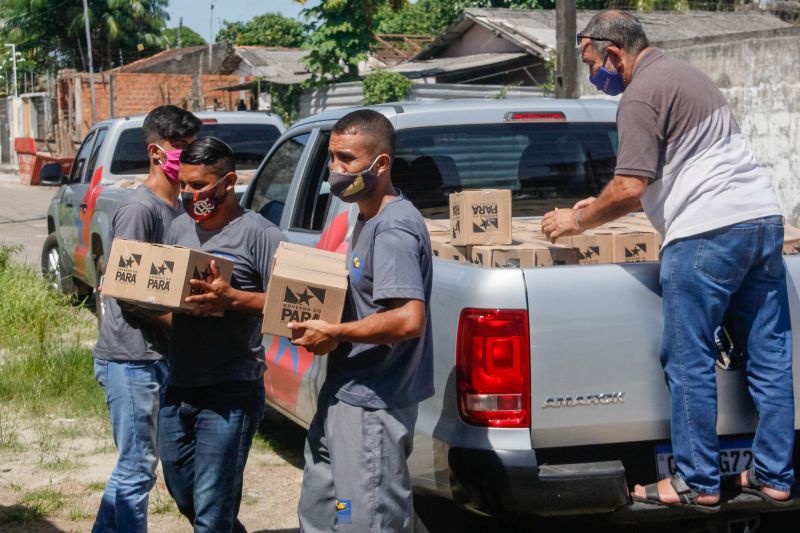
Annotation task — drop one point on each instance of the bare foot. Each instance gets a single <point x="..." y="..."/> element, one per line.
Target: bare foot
<point x="780" y="495"/>
<point x="668" y="494"/>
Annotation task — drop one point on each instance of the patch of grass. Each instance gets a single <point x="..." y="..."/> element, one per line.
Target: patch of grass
<point x="47" y="367"/>
<point x="34" y="506"/>
<point x="16" y="487"/>
<point x="76" y="515"/>
<point x="9" y="438"/>
<point x="260" y="442"/>
<point x="162" y="502"/>
<point x="96" y="486"/>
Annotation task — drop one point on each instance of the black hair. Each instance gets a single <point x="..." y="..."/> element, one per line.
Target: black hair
<point x="620" y="28"/>
<point x="212" y="152"/>
<point x="169" y="122"/>
<point x="368" y="122"/>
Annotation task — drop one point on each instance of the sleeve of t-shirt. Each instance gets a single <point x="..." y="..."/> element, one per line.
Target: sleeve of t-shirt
<point x="639" y="145"/>
<point x="265" y="247"/>
<point x="135" y="222"/>
<point x="396" y="268"/>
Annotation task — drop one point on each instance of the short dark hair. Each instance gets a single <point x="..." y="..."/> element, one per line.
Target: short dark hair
<point x="368" y="122"/>
<point x="212" y="152"/>
<point x="620" y="28"/>
<point x="169" y="122"/>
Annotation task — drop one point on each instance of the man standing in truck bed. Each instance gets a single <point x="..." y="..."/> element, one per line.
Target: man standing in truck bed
<point x="130" y="350"/>
<point x="380" y="365"/>
<point x="683" y="158"/>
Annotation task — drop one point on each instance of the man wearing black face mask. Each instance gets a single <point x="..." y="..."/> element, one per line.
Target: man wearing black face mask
<point x="215" y="395"/>
<point x="381" y="363"/>
<point x="684" y="160"/>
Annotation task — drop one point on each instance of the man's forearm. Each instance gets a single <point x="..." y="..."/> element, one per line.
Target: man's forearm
<point x="621" y="196"/>
<point x="387" y="327"/>
<point x="246" y="301"/>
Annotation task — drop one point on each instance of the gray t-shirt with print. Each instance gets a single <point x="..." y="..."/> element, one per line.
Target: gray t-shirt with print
<point x="389" y="258"/>
<point x="123" y="336"/>
<point x="211" y="350"/>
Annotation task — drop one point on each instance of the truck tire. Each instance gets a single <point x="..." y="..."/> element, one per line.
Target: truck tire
<point x="52" y="265"/>
<point x="99" y="299"/>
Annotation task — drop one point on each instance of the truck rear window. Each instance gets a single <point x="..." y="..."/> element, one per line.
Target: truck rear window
<point x="250" y="143"/>
<point x="546" y="165"/>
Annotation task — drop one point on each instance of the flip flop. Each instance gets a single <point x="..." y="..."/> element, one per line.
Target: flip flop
<point x="754" y="487"/>
<point x="688" y="497"/>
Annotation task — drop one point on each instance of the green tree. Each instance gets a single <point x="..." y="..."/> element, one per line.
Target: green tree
<point x="51" y="32"/>
<point x="269" y="29"/>
<point x="382" y="86"/>
<point x="189" y="37"/>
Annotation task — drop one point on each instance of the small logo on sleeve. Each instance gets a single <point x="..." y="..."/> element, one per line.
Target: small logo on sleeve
<point x="356" y="271"/>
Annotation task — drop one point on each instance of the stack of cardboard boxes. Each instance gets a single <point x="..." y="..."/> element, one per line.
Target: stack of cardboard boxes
<point x="481" y="231"/>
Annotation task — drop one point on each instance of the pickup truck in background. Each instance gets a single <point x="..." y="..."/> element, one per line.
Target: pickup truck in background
<point x="111" y="161"/>
<point x="574" y="408"/>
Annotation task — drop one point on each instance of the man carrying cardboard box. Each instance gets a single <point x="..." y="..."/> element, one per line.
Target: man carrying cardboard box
<point x="684" y="159"/>
<point x="215" y="394"/>
<point x="381" y="362"/>
<point x="129" y="354"/>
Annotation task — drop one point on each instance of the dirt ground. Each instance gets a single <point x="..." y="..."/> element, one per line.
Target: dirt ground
<point x="53" y="473"/>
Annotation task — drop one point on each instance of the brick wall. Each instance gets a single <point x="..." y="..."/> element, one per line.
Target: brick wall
<point x="136" y="93"/>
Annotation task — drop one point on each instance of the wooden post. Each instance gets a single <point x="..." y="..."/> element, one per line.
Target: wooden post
<point x="566" y="58"/>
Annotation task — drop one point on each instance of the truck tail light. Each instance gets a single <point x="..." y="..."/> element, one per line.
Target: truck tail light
<point x="541" y="116"/>
<point x="493" y="368"/>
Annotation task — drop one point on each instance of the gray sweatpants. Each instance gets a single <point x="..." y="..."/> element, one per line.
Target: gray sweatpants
<point x="356" y="476"/>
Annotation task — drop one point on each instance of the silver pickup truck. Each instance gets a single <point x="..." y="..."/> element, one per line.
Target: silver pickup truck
<point x="550" y="399"/>
<point x="109" y="163"/>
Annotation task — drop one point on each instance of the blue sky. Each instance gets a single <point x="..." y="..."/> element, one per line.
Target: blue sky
<point x="196" y="13"/>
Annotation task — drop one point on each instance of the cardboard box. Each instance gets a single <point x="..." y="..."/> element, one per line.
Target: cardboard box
<point x="438" y="227"/>
<point x="591" y="248"/>
<point x="524" y="255"/>
<point x="158" y="276"/>
<point x="630" y="245"/>
<point x="305" y="284"/>
<point x="480" y="217"/>
<point x="442" y="249"/>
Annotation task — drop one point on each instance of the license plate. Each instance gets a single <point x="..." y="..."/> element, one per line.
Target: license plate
<point x="734" y="456"/>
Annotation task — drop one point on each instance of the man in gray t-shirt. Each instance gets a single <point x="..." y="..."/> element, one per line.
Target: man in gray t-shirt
<point x="215" y="395"/>
<point x="381" y="359"/>
<point x="683" y="158"/>
<point x="129" y="354"/>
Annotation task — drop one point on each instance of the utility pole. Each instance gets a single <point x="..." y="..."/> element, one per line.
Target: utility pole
<point x="566" y="57"/>
<point x="211" y="38"/>
<point x="179" y="40"/>
<point x="89" y="56"/>
<point x="14" y="65"/>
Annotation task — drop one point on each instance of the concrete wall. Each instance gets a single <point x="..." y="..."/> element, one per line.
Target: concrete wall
<point x="480" y="40"/>
<point x="758" y="75"/>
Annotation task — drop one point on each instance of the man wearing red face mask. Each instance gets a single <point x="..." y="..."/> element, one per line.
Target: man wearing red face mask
<point x="215" y="394"/>
<point x="129" y="354"/>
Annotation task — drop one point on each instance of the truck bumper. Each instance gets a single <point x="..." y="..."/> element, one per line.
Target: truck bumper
<point x="510" y="481"/>
<point x="495" y="482"/>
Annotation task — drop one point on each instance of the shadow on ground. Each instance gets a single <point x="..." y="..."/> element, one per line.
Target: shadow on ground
<point x="283" y="436"/>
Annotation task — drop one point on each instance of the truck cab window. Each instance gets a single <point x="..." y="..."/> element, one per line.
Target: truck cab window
<point x="314" y="198"/>
<point x="79" y="165"/>
<point x="98" y="145"/>
<point x="275" y="179"/>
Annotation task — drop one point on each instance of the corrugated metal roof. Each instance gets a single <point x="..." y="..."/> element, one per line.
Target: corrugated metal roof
<point x="277" y="65"/>
<point x="534" y="29"/>
<point x="442" y="65"/>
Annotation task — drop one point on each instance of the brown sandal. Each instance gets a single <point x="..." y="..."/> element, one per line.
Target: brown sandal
<point x="687" y="496"/>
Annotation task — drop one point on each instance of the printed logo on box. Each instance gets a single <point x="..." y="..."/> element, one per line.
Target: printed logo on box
<point x="298" y="306"/>
<point x="637" y="253"/>
<point x="205" y="275"/>
<point x="159" y="279"/>
<point x="484" y="218"/>
<point x="127" y="268"/>
<point x="592" y="253"/>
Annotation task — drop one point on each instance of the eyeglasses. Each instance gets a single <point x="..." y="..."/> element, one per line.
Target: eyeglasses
<point x="584" y="36"/>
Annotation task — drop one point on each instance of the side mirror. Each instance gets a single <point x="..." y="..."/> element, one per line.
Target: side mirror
<point x="50" y="174"/>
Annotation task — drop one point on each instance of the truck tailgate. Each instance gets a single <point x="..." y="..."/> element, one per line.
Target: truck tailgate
<point x="595" y="373"/>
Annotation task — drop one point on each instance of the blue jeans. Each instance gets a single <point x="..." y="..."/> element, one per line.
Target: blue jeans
<point x="206" y="434"/>
<point x="736" y="270"/>
<point x="134" y="391"/>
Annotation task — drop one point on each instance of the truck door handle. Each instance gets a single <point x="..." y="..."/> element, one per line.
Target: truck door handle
<point x="69" y="205"/>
